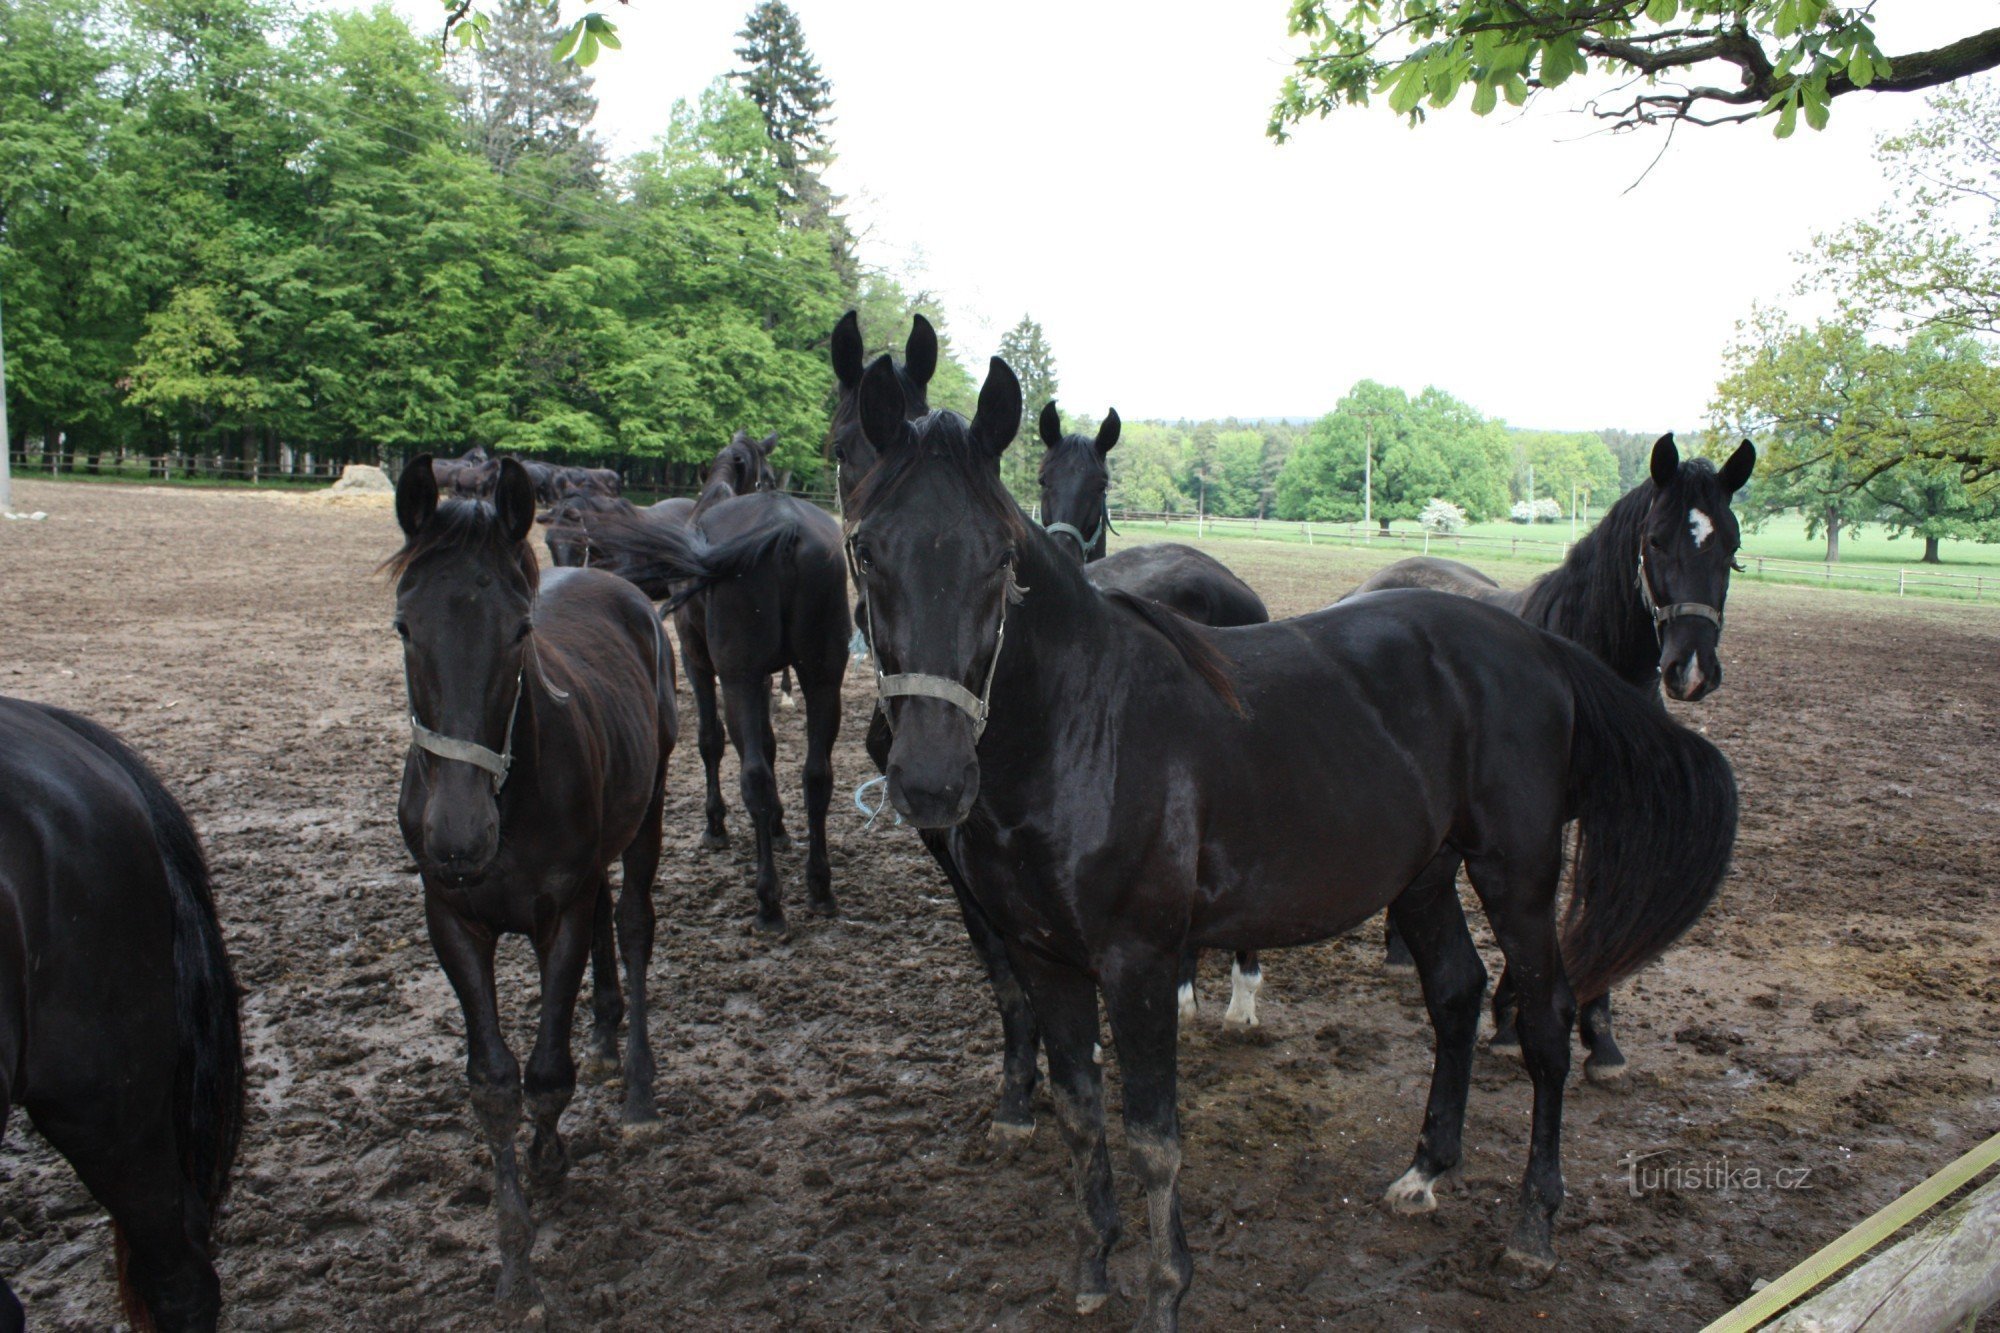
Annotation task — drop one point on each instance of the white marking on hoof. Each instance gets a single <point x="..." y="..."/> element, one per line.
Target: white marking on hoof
<point x="1242" y="997"/>
<point x="1096" y="1053"/>
<point x="1412" y="1195"/>
<point x="1701" y="525"/>
<point x="1186" y="996"/>
<point x="1605" y="1075"/>
<point x="1004" y="1132"/>
<point x="1090" y="1302"/>
<point x="785" y="702"/>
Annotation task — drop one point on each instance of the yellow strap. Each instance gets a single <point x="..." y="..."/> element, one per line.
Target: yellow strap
<point x="1801" y="1280"/>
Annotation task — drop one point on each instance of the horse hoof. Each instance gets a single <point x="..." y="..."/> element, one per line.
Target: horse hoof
<point x="1096" y="1053"/>
<point x="1090" y="1302"/>
<point x="711" y="841"/>
<point x="1529" y="1270"/>
<point x="1412" y="1195"/>
<point x="1399" y="966"/>
<point x="781" y="841"/>
<point x="1010" y="1133"/>
<point x="1244" y="1019"/>
<point x="771" y="927"/>
<point x="1186" y="997"/>
<point x="1605" y="1073"/>
<point x="643" y="1131"/>
<point x="823" y="905"/>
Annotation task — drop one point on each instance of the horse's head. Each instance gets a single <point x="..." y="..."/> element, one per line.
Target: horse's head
<point x="851" y="449"/>
<point x="465" y="601"/>
<point x="935" y="538"/>
<point x="1076" y="482"/>
<point x="744" y="464"/>
<point x="1687" y="545"/>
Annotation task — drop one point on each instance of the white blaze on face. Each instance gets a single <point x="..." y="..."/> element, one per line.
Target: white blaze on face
<point x="1701" y="525"/>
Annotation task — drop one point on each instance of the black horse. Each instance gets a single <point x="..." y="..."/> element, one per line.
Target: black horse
<point x="118" y="1012"/>
<point x="1014" y="1110"/>
<point x="1643" y="591"/>
<point x="1076" y="504"/>
<point x="1116" y="783"/>
<point x="541" y="717"/>
<point x="757" y="584"/>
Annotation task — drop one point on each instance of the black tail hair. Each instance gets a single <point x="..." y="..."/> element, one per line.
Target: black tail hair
<point x="208" y="1073"/>
<point x="1657" y="807"/>
<point x="672" y="563"/>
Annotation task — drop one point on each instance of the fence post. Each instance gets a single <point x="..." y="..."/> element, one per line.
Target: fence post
<point x="1427" y="541"/>
<point x="1899" y="581"/>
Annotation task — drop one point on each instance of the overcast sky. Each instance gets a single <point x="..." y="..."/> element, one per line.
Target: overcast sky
<point x="1103" y="167"/>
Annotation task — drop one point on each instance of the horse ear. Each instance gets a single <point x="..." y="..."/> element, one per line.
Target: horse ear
<point x="847" y="350"/>
<point x="416" y="494"/>
<point x="1666" y="461"/>
<point x="769" y="444"/>
<point x="1107" y="434"/>
<point x="1051" y="424"/>
<point x="741" y="436"/>
<point x="920" y="353"/>
<point x="882" y="405"/>
<point x="514" y="500"/>
<point x="1737" y="470"/>
<point x="998" y="419"/>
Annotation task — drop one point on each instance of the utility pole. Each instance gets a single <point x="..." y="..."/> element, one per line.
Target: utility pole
<point x="1367" y="472"/>
<point x="1572" y="513"/>
<point x="6" y="440"/>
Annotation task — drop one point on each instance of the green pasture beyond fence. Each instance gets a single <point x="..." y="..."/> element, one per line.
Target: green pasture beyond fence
<point x="1974" y="583"/>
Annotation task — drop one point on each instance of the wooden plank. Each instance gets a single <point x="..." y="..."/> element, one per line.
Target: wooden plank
<point x="1938" y="1279"/>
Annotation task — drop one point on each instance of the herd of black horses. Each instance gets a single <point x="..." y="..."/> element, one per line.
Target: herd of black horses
<point x="1116" y="760"/>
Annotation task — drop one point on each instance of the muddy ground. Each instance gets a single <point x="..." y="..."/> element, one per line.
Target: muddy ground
<point x="826" y="1098"/>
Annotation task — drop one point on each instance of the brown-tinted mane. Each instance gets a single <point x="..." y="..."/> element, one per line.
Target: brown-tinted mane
<point x="464" y="525"/>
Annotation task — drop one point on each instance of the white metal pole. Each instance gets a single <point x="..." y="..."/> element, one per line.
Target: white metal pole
<point x="1367" y="474"/>
<point x="6" y="440"/>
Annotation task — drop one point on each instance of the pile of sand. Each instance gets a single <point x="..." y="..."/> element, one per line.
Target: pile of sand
<point x="359" y="484"/>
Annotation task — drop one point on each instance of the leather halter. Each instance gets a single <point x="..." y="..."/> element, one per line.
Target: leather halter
<point x="1661" y="615"/>
<point x="923" y="685"/>
<point x="1072" y="531"/>
<point x="494" y="762"/>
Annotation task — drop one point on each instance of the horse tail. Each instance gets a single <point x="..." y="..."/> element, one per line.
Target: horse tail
<point x="208" y="1069"/>
<point x="672" y="563"/>
<point x="1656" y="805"/>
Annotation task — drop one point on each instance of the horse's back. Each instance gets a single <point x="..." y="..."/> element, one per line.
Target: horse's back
<point x="605" y="644"/>
<point x="1428" y="571"/>
<point x="1192" y="582"/>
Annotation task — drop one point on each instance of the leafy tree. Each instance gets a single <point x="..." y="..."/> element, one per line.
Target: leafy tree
<point x="1146" y="468"/>
<point x="781" y="75"/>
<point x="1841" y="413"/>
<point x="1566" y="464"/>
<point x="1430" y="447"/>
<point x="1932" y="255"/>
<point x="1790" y="57"/>
<point x="1026" y="349"/>
<point x="886" y="311"/>
<point x="1633" y="451"/>
<point x="526" y="108"/>
<point x="1933" y="502"/>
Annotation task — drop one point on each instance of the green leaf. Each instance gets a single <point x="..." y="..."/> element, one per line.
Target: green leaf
<point x="1861" y="69"/>
<point x="1484" y="100"/>
<point x="1788" y="120"/>
<point x="569" y="42"/>
<point x="1662" y="11"/>
<point x="1516" y="89"/>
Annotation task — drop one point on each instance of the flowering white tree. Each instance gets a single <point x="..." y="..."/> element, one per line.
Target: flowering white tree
<point x="1542" y="510"/>
<point x="1442" y="516"/>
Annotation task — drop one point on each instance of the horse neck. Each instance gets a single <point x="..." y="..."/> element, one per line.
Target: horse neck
<point x="719" y="488"/>
<point x="1592" y="598"/>
<point x="1059" y="642"/>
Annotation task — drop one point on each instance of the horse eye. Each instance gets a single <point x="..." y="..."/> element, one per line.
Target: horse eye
<point x="1007" y="558"/>
<point x="1656" y="543"/>
<point x="864" y="559"/>
<point x="840" y="453"/>
<point x="522" y="632"/>
<point x="402" y="631"/>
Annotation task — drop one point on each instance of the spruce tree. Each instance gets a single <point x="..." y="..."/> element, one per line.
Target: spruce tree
<point x="781" y="75"/>
<point x="525" y="106"/>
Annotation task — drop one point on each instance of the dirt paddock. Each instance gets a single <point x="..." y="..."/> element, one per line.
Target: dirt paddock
<point x="1836" y="1018"/>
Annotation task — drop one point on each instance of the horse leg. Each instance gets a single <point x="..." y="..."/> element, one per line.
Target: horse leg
<point x="748" y="704"/>
<point x="1138" y="995"/>
<point x="465" y="951"/>
<point x="13" y="1319"/>
<point x="1605" y="1063"/>
<point x="780" y="837"/>
<point x="607" y="1005"/>
<point x="1065" y="1005"/>
<point x="635" y="942"/>
<point x="822" y="727"/>
<point x="708" y="733"/>
<point x="1506" y="1036"/>
<point x="1395" y="952"/>
<point x="1014" y="1112"/>
<point x="1190" y="972"/>
<point x="1518" y="889"/>
<point x="1246" y="977"/>
<point x="161" y="1224"/>
<point x="550" y="1080"/>
<point x="1454" y="981"/>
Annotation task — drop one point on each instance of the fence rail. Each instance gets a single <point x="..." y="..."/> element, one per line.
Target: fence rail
<point x="1904" y="580"/>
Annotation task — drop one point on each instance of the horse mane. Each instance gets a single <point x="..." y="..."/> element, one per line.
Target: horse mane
<point x="464" y="525"/>
<point x="1201" y="656"/>
<point x="1070" y="442"/>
